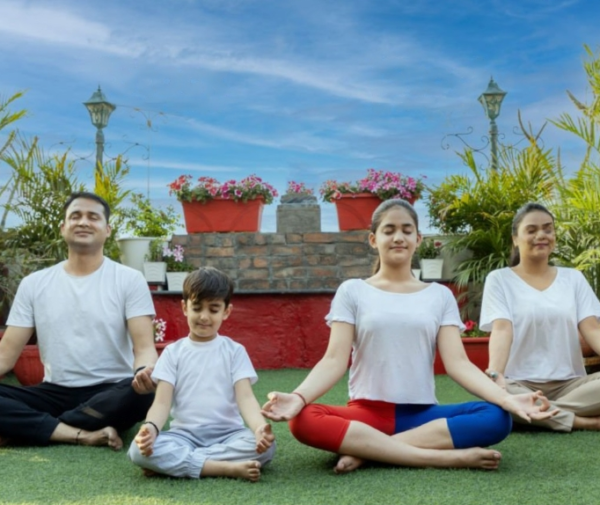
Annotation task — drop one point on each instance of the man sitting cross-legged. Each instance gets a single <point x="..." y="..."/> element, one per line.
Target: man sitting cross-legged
<point x="93" y="320"/>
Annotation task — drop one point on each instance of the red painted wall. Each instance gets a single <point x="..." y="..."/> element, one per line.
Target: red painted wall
<point x="277" y="330"/>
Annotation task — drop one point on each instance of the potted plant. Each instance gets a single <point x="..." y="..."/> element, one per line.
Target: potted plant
<point x="299" y="211"/>
<point x="155" y="268"/>
<point x="145" y="222"/>
<point x="177" y="267"/>
<point x="211" y="206"/>
<point x="356" y="202"/>
<point x="475" y="342"/>
<point x="429" y="257"/>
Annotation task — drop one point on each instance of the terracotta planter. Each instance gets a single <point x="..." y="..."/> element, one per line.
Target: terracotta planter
<point x="355" y="211"/>
<point x="28" y="369"/>
<point x="223" y="215"/>
<point x="477" y="351"/>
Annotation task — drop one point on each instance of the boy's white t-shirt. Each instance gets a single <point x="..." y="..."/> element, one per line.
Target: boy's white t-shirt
<point x="203" y="375"/>
<point x="394" y="339"/>
<point x="545" y="338"/>
<point x="80" y="322"/>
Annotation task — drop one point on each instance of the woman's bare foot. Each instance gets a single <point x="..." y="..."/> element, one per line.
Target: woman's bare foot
<point x="249" y="470"/>
<point x="586" y="423"/>
<point x="106" y="436"/>
<point x="485" y="459"/>
<point x="347" y="464"/>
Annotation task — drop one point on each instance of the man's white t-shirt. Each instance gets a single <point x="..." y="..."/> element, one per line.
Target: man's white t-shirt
<point x="81" y="321"/>
<point x="545" y="339"/>
<point x="203" y="375"/>
<point x="394" y="339"/>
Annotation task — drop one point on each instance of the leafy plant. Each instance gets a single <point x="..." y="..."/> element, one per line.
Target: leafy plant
<point x="175" y="259"/>
<point x="144" y="220"/>
<point x="472" y="330"/>
<point x="156" y="250"/>
<point x="207" y="188"/>
<point x="576" y="209"/>
<point x="385" y="185"/>
<point x="160" y="329"/>
<point x="475" y="210"/>
<point x="429" y="249"/>
<point x="298" y="188"/>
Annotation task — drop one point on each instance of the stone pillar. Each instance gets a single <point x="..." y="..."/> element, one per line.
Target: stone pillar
<point x="298" y="214"/>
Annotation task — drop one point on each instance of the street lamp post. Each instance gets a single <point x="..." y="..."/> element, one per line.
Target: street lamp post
<point x="100" y="110"/>
<point x="491" y="99"/>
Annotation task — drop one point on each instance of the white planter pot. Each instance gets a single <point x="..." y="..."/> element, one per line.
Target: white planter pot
<point x="432" y="269"/>
<point x="134" y="251"/>
<point x="155" y="271"/>
<point x="417" y="273"/>
<point x="175" y="280"/>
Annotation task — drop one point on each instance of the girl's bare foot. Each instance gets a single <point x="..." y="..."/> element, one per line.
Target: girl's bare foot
<point x="476" y="457"/>
<point x="106" y="436"/>
<point x="249" y="470"/>
<point x="347" y="464"/>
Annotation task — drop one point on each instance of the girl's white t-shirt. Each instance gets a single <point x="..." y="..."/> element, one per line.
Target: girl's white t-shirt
<point x="394" y="340"/>
<point x="545" y="339"/>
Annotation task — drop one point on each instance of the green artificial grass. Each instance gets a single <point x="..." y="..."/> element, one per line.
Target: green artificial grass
<point x="537" y="468"/>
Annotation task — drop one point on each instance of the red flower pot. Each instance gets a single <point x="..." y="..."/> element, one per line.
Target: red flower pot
<point x="355" y="211"/>
<point x="28" y="369"/>
<point x="477" y="351"/>
<point x="223" y="215"/>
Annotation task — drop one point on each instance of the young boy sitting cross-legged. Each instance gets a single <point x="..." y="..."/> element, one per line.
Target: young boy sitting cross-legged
<point x="205" y="381"/>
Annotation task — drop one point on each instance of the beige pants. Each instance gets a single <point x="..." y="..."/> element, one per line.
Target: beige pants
<point x="574" y="397"/>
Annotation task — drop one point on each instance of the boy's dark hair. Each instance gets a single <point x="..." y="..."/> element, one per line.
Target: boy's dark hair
<point x="89" y="196"/>
<point x="207" y="283"/>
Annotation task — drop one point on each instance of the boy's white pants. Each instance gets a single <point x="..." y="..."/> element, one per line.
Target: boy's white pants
<point x="182" y="454"/>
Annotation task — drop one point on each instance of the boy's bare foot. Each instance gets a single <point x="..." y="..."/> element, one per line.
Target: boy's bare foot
<point x="486" y="459"/>
<point x="347" y="464"/>
<point x="106" y="436"/>
<point x="249" y="470"/>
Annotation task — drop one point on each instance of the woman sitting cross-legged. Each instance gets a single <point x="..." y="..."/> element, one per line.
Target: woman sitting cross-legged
<point x="535" y="311"/>
<point x="390" y="324"/>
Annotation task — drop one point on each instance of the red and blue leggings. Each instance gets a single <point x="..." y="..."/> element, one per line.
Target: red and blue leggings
<point x="472" y="424"/>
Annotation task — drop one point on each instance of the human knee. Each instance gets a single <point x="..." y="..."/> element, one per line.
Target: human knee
<point x="486" y="425"/>
<point x="498" y="424"/>
<point x="135" y="455"/>
<point x="315" y="427"/>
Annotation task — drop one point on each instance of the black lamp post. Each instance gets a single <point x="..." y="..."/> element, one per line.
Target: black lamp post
<point x="100" y="110"/>
<point x="491" y="99"/>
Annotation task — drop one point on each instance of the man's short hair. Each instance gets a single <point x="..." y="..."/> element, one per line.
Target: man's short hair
<point x="207" y="283"/>
<point x="88" y="196"/>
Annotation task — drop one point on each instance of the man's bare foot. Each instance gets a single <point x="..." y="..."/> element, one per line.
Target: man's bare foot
<point x="106" y="436"/>
<point x="486" y="459"/>
<point x="149" y="473"/>
<point x="347" y="464"/>
<point x="249" y="470"/>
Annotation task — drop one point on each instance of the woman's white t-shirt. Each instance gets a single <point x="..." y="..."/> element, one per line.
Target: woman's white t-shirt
<point x="394" y="339"/>
<point x="545" y="339"/>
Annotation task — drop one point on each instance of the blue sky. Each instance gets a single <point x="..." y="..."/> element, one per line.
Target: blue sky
<point x="304" y="90"/>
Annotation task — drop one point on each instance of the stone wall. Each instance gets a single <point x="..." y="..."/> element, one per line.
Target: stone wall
<point x="282" y="262"/>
